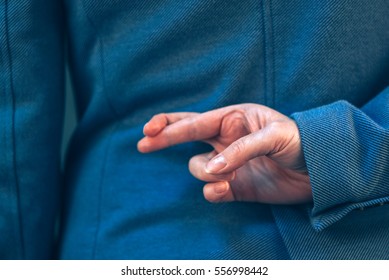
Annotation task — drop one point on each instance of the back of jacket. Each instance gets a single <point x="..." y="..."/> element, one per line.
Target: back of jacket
<point x="324" y="63"/>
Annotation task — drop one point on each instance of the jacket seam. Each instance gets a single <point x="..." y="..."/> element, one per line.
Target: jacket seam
<point x="268" y="54"/>
<point x="102" y="61"/>
<point x="8" y="54"/>
<point x="100" y="190"/>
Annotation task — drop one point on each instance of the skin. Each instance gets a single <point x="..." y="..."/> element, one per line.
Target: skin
<point x="257" y="152"/>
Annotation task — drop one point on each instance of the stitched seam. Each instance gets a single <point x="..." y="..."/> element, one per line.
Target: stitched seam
<point x="271" y="35"/>
<point x="113" y="110"/>
<point x="279" y="232"/>
<point x="102" y="62"/>
<point x="13" y="129"/>
<point x="268" y="54"/>
<point x="100" y="190"/>
<point x="264" y="51"/>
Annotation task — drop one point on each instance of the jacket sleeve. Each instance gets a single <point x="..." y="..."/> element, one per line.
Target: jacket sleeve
<point x="347" y="155"/>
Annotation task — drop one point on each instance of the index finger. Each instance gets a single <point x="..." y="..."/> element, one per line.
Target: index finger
<point x="160" y="121"/>
<point x="193" y="128"/>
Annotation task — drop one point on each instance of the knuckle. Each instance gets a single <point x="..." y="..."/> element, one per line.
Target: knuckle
<point x="280" y="132"/>
<point x="238" y="147"/>
<point x="277" y="126"/>
<point x="234" y="123"/>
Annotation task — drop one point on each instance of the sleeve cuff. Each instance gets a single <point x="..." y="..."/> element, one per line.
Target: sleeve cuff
<point x="347" y="159"/>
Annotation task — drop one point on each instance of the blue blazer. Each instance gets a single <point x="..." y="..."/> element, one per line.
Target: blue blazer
<point x="323" y="63"/>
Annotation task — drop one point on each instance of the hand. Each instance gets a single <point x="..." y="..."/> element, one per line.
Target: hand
<point x="257" y="152"/>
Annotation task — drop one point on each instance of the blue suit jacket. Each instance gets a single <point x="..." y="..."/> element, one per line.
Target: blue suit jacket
<point x="324" y="63"/>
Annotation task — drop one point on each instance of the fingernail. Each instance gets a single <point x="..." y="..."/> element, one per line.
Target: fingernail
<point x="220" y="187"/>
<point x="216" y="164"/>
<point x="144" y="127"/>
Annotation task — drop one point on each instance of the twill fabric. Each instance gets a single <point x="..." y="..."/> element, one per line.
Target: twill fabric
<point x="133" y="59"/>
<point x="31" y="116"/>
<point x="323" y="63"/>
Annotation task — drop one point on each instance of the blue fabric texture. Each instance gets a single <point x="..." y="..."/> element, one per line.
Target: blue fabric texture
<point x="133" y="59"/>
<point x="340" y="181"/>
<point x="324" y="63"/>
<point x="31" y="113"/>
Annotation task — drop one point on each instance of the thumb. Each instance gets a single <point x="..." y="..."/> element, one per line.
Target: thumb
<point x="260" y="143"/>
